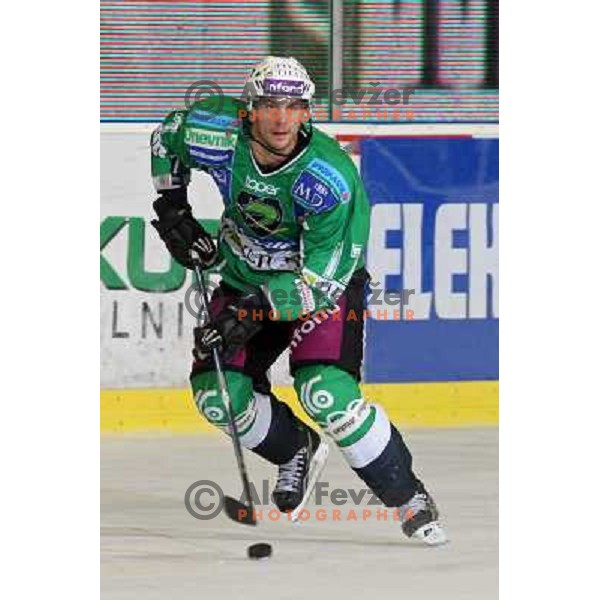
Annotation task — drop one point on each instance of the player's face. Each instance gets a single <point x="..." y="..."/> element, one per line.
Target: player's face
<point x="278" y="120"/>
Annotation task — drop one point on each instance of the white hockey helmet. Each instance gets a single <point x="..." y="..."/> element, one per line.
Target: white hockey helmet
<point x="278" y="76"/>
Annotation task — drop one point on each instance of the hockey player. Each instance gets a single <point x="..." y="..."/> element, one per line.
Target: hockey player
<point x="291" y="256"/>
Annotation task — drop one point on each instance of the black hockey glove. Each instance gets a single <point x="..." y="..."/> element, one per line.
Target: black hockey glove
<point x="231" y="329"/>
<point x="180" y="232"/>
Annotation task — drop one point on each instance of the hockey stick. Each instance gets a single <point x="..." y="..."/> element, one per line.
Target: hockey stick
<point x="234" y="508"/>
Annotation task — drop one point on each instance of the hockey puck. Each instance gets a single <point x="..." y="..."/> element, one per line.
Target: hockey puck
<point x="258" y="551"/>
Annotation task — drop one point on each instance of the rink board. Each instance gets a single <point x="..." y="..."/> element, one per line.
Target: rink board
<point x="435" y="236"/>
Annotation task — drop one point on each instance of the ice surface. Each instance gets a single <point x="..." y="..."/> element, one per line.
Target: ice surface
<point x="153" y="549"/>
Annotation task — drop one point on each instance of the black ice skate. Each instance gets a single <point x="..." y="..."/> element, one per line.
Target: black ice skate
<point x="297" y="477"/>
<point x="419" y="518"/>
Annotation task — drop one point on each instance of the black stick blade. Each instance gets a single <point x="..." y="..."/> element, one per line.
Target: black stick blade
<point x="239" y="512"/>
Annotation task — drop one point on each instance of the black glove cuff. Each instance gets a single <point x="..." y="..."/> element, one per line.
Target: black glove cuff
<point x="169" y="201"/>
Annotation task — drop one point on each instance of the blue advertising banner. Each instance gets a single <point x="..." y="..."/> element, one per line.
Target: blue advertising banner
<point x="433" y="258"/>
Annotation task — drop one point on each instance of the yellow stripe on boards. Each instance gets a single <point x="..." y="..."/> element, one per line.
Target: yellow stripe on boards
<point x="454" y="404"/>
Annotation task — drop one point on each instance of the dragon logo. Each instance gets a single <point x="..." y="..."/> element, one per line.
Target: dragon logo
<point x="263" y="216"/>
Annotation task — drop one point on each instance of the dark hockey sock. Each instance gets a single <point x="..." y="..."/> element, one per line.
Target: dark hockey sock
<point x="286" y="434"/>
<point x="390" y="475"/>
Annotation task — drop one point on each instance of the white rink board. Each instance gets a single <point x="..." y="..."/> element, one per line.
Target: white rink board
<point x="132" y="353"/>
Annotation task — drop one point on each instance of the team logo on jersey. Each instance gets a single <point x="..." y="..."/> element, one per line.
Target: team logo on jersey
<point x="263" y="216"/>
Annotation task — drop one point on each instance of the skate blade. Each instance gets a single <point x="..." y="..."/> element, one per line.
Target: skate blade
<point x="315" y="469"/>
<point x="431" y="534"/>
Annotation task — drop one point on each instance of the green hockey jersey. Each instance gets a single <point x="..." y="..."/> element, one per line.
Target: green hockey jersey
<point x="298" y="233"/>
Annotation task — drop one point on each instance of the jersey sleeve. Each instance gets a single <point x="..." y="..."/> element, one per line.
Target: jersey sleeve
<point x="167" y="166"/>
<point x="334" y="237"/>
<point x="202" y="137"/>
